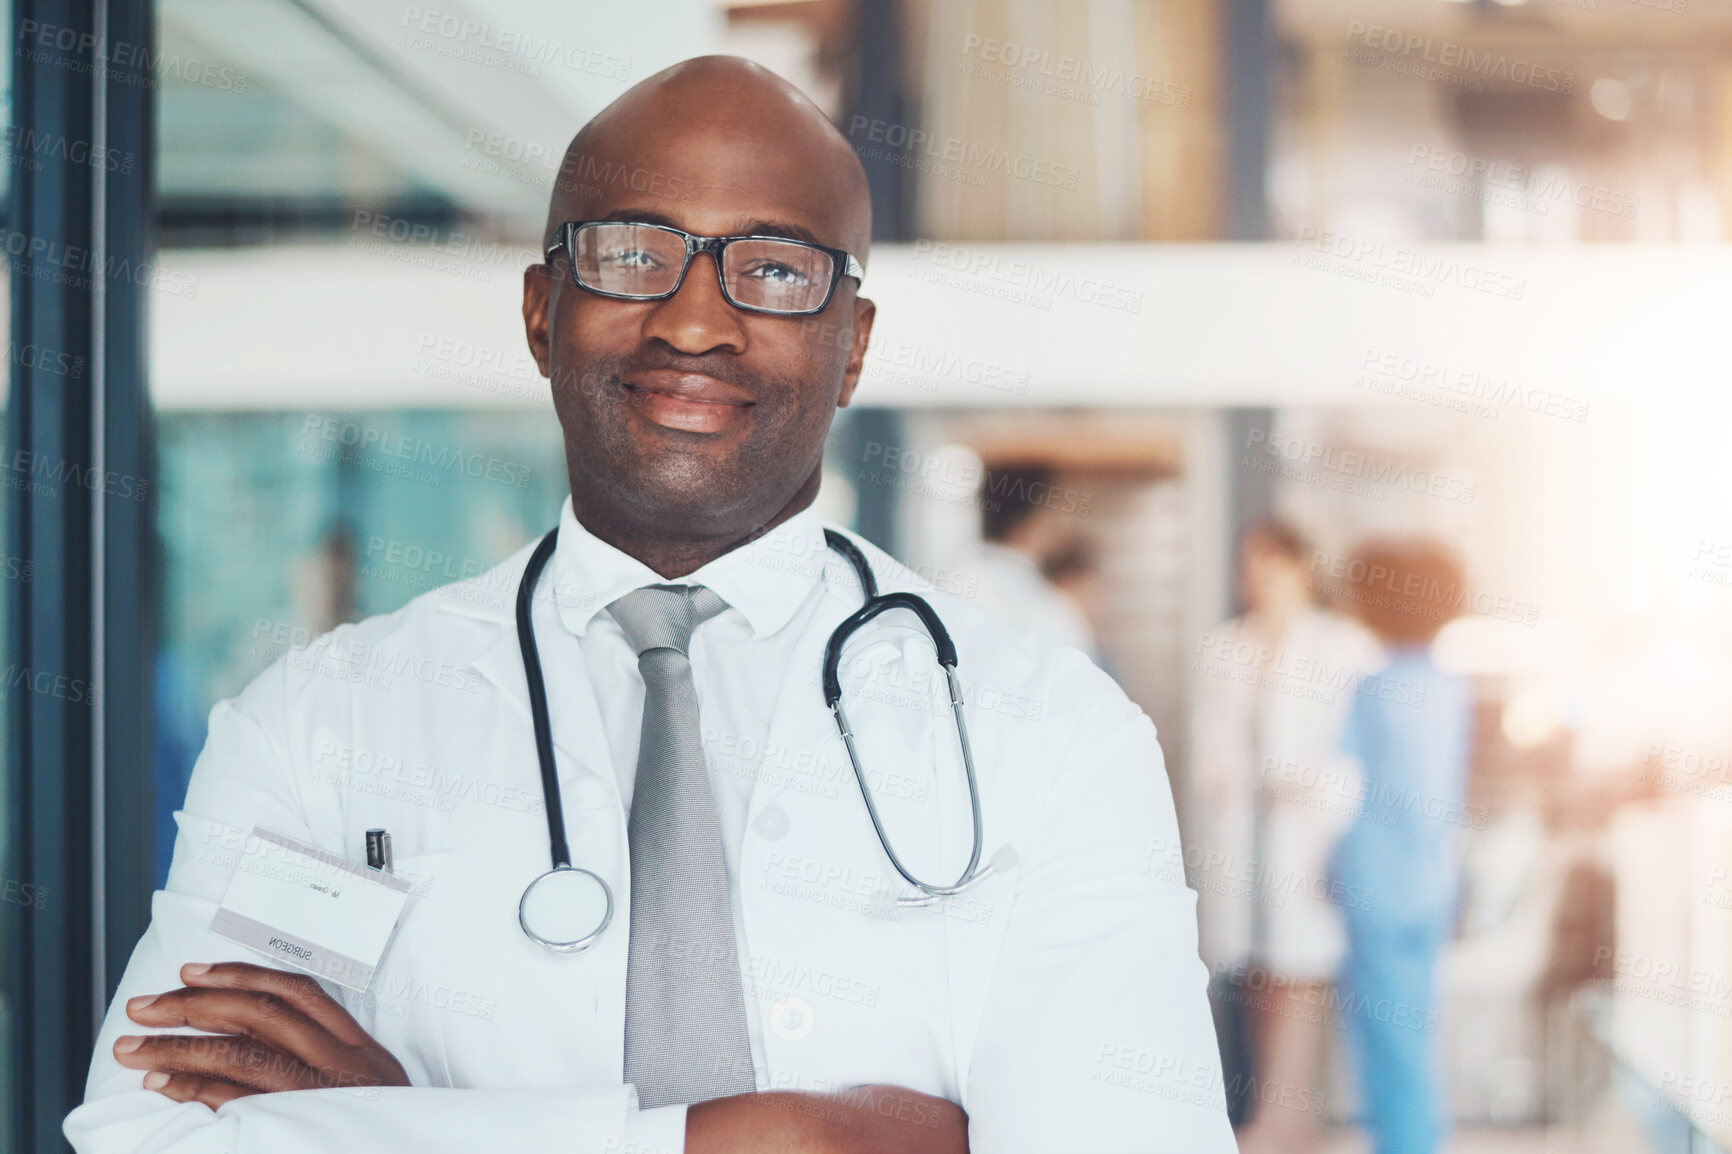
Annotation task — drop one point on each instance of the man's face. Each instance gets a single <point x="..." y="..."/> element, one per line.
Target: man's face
<point x="689" y="415"/>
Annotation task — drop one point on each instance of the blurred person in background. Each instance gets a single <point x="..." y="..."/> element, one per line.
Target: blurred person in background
<point x="1074" y="569"/>
<point x="1409" y="731"/>
<point x="1023" y="530"/>
<point x="1271" y="698"/>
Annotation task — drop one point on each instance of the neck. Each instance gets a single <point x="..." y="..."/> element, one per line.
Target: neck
<point x="1273" y="619"/>
<point x="671" y="555"/>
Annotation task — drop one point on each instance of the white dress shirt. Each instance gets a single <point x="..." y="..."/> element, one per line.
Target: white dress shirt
<point x="738" y="657"/>
<point x="1061" y="1002"/>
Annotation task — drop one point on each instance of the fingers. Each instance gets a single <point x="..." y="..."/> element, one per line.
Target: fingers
<point x="252" y="1013"/>
<point x="298" y="990"/>
<point x="195" y="1088"/>
<point x="239" y="1061"/>
<point x="263" y="1029"/>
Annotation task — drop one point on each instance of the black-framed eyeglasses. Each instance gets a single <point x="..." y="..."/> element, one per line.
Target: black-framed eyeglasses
<point x="633" y="261"/>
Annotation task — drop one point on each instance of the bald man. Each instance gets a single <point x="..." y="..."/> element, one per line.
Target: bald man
<point x="699" y="330"/>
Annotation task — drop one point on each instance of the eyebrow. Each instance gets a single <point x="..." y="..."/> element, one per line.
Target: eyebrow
<point x="749" y="228"/>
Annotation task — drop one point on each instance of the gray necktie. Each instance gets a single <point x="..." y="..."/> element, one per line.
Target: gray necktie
<point x="685" y="1011"/>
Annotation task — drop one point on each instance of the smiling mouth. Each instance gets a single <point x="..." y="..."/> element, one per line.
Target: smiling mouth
<point x="687" y="406"/>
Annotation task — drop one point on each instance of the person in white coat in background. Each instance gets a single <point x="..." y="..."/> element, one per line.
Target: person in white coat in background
<point x="1271" y="794"/>
<point x="698" y="316"/>
<point x="1019" y="533"/>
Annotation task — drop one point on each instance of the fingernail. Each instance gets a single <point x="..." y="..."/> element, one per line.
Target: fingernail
<point x="194" y="969"/>
<point x="140" y="1002"/>
<point x="155" y="1080"/>
<point x="128" y="1044"/>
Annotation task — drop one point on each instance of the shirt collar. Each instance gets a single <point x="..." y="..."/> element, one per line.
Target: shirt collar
<point x="766" y="579"/>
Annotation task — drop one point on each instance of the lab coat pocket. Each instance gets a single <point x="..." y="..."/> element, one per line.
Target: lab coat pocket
<point x="403" y="1009"/>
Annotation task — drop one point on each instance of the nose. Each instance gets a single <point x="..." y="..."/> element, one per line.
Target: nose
<point x="698" y="318"/>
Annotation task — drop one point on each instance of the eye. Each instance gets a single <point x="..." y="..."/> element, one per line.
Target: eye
<point x="777" y="273"/>
<point x="629" y="257"/>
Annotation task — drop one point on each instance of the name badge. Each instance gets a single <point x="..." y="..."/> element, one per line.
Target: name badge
<point x="314" y="910"/>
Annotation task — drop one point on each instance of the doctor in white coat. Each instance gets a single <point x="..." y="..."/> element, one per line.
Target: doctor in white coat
<point x="1058" y="1005"/>
<point x="1273" y="793"/>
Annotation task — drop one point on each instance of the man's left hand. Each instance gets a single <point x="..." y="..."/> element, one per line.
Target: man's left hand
<point x="272" y="1031"/>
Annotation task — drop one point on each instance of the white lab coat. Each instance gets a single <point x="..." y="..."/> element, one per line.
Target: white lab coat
<point x="1270" y="717"/>
<point x="1061" y="1002"/>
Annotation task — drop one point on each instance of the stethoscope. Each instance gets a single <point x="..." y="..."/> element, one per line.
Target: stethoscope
<point x="567" y="908"/>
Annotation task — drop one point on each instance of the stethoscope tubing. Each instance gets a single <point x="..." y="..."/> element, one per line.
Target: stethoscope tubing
<point x="875" y="604"/>
<point x="538" y="712"/>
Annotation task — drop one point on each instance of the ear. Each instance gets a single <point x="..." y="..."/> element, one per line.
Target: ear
<point x="537" y="300"/>
<point x="864" y="313"/>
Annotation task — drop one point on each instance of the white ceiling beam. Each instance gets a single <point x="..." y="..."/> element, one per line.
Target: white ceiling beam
<point x="998" y="325"/>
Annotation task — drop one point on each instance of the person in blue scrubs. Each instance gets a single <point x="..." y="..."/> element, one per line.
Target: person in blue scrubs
<point x="1409" y="727"/>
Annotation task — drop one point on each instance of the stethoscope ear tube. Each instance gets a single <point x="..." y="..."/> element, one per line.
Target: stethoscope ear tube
<point x="538" y="703"/>
<point x="883" y="603"/>
<point x="877" y="603"/>
<point x="857" y="559"/>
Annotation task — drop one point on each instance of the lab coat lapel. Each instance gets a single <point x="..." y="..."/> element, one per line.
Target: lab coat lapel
<point x="544" y="998"/>
<point x="580" y="744"/>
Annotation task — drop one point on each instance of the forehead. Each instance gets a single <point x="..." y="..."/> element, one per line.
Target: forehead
<point x="711" y="179"/>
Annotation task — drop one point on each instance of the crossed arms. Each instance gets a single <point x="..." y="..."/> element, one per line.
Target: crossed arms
<point x="267" y="1031"/>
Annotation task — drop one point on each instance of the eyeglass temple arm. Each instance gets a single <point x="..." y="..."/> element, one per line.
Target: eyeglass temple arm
<point x="557" y="243"/>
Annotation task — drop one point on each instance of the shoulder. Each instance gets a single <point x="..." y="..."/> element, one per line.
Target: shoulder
<point x="1406" y="686"/>
<point x="1341" y="637"/>
<point x="429" y="642"/>
<point x="1225" y="636"/>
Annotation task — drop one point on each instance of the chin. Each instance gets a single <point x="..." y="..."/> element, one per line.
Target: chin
<point x="683" y="503"/>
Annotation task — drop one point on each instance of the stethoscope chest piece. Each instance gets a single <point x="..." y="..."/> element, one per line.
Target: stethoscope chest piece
<point x="566" y="909"/>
